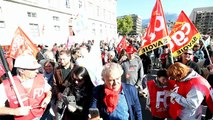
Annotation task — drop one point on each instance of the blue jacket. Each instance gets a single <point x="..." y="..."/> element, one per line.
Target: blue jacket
<point x="131" y="95"/>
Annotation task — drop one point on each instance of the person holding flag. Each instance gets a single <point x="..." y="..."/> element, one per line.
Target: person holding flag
<point x="32" y="88"/>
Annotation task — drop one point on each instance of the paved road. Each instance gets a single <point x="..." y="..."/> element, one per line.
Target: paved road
<point x="147" y="113"/>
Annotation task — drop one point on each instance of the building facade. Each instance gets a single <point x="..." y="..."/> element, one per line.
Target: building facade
<point x="137" y="25"/>
<point x="51" y="21"/>
<point x="203" y="19"/>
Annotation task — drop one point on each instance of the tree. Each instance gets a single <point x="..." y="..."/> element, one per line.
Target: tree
<point x="124" y="25"/>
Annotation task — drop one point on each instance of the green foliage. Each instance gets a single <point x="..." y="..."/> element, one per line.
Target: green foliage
<point x="125" y="25"/>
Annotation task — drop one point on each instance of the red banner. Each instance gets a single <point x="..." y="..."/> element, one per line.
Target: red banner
<point x="2" y="71"/>
<point x="183" y="35"/>
<point x="157" y="32"/>
<point x="21" y="44"/>
<point x="122" y="44"/>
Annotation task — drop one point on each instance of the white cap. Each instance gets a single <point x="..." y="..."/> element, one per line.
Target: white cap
<point x="26" y="62"/>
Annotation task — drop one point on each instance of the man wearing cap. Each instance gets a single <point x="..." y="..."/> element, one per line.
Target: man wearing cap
<point x="33" y="90"/>
<point x="133" y="68"/>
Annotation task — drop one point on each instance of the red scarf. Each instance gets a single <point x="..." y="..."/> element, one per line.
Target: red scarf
<point x="111" y="99"/>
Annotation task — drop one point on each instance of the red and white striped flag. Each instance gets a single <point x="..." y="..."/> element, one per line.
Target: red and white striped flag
<point x="156" y="32"/>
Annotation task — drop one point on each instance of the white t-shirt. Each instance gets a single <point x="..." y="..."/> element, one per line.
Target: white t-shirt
<point x="26" y="84"/>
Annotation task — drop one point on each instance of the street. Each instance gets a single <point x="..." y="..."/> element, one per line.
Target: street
<point x="146" y="113"/>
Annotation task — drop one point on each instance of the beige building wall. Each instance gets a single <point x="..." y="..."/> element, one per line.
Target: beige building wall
<point x="47" y="21"/>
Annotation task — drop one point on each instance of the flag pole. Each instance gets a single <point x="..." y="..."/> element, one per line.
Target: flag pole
<point x="207" y="52"/>
<point x="6" y="67"/>
<point x="172" y="58"/>
<point x="170" y="51"/>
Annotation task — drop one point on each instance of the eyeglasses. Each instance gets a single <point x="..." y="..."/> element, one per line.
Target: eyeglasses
<point x="31" y="69"/>
<point x="188" y="53"/>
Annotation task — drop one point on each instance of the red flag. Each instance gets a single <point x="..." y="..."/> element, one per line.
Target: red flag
<point x="156" y="32"/>
<point x="2" y="71"/>
<point x="21" y="44"/>
<point x="10" y="62"/>
<point x="130" y="49"/>
<point x="183" y="35"/>
<point x="122" y="44"/>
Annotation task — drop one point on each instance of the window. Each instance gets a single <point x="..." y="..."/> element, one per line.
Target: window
<point x="98" y="11"/>
<point x="67" y="4"/>
<point x="2" y="24"/>
<point x="104" y="13"/>
<point x="32" y="14"/>
<point x="34" y="28"/>
<point x="80" y="3"/>
<point x="55" y="18"/>
<point x="93" y="29"/>
<point x="56" y="27"/>
<point x="101" y="30"/>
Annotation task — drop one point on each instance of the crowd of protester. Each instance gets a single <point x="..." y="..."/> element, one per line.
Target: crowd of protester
<point x="181" y="88"/>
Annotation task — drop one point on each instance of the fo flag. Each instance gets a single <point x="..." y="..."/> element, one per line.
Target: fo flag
<point x="157" y="32"/>
<point x="122" y="44"/>
<point x="183" y="35"/>
<point x="21" y="44"/>
<point x="2" y="71"/>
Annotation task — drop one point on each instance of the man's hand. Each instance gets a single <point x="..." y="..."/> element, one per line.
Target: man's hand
<point x="45" y="102"/>
<point x="210" y="68"/>
<point x="167" y="93"/>
<point x="148" y="108"/>
<point x="22" y="111"/>
<point x="59" y="95"/>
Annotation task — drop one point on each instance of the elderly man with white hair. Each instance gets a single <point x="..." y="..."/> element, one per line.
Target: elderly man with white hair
<point x="111" y="57"/>
<point x="116" y="100"/>
<point x="32" y="88"/>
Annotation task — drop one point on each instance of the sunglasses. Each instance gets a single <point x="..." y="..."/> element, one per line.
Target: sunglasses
<point x="77" y="80"/>
<point x="187" y="53"/>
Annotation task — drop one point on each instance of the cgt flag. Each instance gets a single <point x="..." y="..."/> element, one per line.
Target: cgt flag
<point x="122" y="44"/>
<point x="21" y="44"/>
<point x="183" y="35"/>
<point x="157" y="32"/>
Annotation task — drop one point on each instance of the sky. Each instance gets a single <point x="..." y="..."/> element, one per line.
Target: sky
<point x="144" y="8"/>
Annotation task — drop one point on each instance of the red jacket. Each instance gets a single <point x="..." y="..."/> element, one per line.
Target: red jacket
<point x="184" y="87"/>
<point x="158" y="100"/>
<point x="34" y="98"/>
